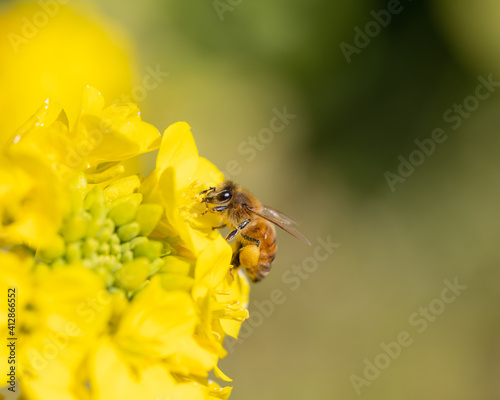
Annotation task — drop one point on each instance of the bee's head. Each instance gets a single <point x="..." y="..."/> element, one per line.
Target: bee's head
<point x="220" y="195"/>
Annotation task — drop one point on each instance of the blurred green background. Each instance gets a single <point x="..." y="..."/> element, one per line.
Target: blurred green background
<point x="230" y="63"/>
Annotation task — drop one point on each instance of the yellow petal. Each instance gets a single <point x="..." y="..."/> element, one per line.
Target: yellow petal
<point x="49" y="112"/>
<point x="92" y="100"/>
<point x="157" y="321"/>
<point x="15" y="282"/>
<point x="113" y="378"/>
<point x="221" y="375"/>
<point x="212" y="266"/>
<point x="32" y="202"/>
<point x="234" y="290"/>
<point x="99" y="136"/>
<point x="72" y="301"/>
<point x="208" y="173"/>
<point x="174" y="224"/>
<point x="47" y="369"/>
<point x="178" y="149"/>
<point x="178" y="265"/>
<point x="191" y="358"/>
<point x="57" y="60"/>
<point x="14" y="278"/>
<point x="167" y="188"/>
<point x="46" y="135"/>
<point x="218" y="393"/>
<point x="114" y="133"/>
<point x="122" y="187"/>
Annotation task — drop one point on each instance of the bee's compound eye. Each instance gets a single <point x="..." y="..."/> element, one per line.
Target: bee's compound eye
<point x="224" y="196"/>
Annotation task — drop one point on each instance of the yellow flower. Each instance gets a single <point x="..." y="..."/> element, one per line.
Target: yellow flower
<point x="31" y="199"/>
<point x="65" y="326"/>
<point x="222" y="297"/>
<point x="58" y="315"/>
<point x="50" y="51"/>
<point x="180" y="175"/>
<point x="16" y="277"/>
<point x="100" y="135"/>
<point x="113" y="378"/>
<point x="125" y="290"/>
<point x="231" y="302"/>
<point x="160" y="327"/>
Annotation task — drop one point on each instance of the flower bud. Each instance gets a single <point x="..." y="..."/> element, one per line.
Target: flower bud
<point x="76" y="227"/>
<point x="148" y="216"/>
<point x="106" y="231"/>
<point x="122" y="187"/>
<point x="89" y="247"/>
<point x="53" y="249"/>
<point x="133" y="274"/>
<point x="123" y="213"/>
<point x="74" y="251"/>
<point x="129" y="231"/>
<point x="150" y="249"/>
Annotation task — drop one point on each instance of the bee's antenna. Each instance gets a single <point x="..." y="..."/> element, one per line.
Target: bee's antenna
<point x="210" y="189"/>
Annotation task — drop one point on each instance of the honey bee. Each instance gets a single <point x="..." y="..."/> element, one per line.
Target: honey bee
<point x="252" y="224"/>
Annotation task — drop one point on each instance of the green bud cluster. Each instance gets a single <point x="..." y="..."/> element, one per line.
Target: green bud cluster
<point x="111" y="238"/>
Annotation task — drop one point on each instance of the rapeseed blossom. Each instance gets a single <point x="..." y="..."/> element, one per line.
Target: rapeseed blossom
<point x="122" y="289"/>
<point x="52" y="49"/>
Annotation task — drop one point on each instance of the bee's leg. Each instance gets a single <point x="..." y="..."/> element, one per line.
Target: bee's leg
<point x="214" y="209"/>
<point x="251" y="239"/>
<point x="234" y="232"/>
<point x="219" y="227"/>
<point x="235" y="259"/>
<point x="235" y="262"/>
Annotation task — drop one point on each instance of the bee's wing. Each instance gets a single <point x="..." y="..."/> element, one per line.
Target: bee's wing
<point x="286" y="219"/>
<point x="280" y="220"/>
